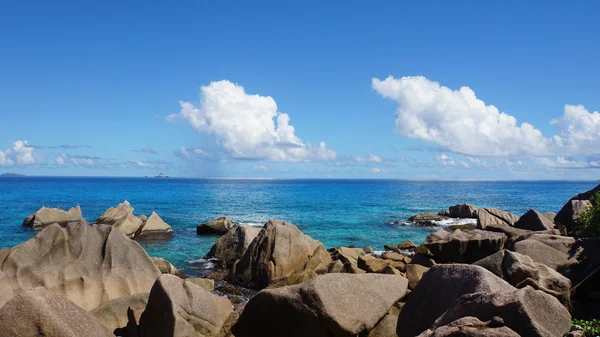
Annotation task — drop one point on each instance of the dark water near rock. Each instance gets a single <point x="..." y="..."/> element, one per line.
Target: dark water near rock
<point x="336" y="212"/>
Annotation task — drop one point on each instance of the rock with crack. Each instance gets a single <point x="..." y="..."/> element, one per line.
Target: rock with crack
<point x="464" y="246"/>
<point x="493" y="216"/>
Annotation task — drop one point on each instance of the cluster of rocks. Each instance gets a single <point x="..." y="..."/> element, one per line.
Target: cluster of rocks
<point x="461" y="211"/>
<point x="511" y="276"/>
<point x="138" y="227"/>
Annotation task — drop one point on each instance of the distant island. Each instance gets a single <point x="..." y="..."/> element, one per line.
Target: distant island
<point x="10" y="175"/>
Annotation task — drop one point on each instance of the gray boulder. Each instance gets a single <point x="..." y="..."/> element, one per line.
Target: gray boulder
<point x="464" y="246"/>
<point x="232" y="246"/>
<point x="220" y="225"/>
<point x="86" y="265"/>
<point x="569" y="213"/>
<point x="437" y="291"/>
<point x="38" y="312"/>
<point x="521" y="271"/>
<point x="472" y="327"/>
<point x="493" y="216"/>
<point x="47" y="216"/>
<point x="527" y="311"/>
<point x="329" y="305"/>
<point x="534" y="221"/>
<point x="463" y="211"/>
<point x="278" y="251"/>
<point x="553" y="251"/>
<point x="180" y="308"/>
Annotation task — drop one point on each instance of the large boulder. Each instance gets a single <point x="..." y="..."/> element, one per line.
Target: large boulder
<point x="232" y="246"/>
<point x="534" y="221"/>
<point x="552" y="250"/>
<point x="220" y="225"/>
<point x="493" y="216"/>
<point x="472" y="327"/>
<point x="464" y="246"/>
<point x="387" y="326"/>
<point x="568" y="215"/>
<point x="86" y="265"/>
<point x="113" y="314"/>
<point x="38" y="312"/>
<point x="278" y="251"/>
<point x="180" y="308"/>
<point x="521" y="271"/>
<point x="526" y="311"/>
<point x="463" y="211"/>
<point x="46" y="216"/>
<point x="437" y="291"/>
<point x="154" y="228"/>
<point x="329" y="305"/>
<point x="122" y="218"/>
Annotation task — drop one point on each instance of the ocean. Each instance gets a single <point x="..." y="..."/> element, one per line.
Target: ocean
<point x="336" y="212"/>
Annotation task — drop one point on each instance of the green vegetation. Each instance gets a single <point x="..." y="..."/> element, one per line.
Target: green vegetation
<point x="591" y="328"/>
<point x="590" y="218"/>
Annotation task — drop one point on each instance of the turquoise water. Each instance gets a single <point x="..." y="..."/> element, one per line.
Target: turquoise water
<point x="336" y="212"/>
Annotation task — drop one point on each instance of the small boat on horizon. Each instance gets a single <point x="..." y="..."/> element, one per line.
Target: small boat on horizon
<point x="161" y="175"/>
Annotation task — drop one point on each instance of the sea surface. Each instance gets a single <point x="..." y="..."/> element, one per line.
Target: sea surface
<point x="336" y="212"/>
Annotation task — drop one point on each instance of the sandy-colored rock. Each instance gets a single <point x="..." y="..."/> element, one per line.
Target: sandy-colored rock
<point x="278" y="251"/>
<point x="122" y="218"/>
<point x="154" y="228"/>
<point x="426" y="219"/>
<point x="297" y="278"/>
<point x="464" y="246"/>
<point x="387" y="326"/>
<point x="346" y="254"/>
<point x="205" y="283"/>
<point x="38" y="312"/>
<point x="493" y="216"/>
<point x="165" y="267"/>
<point x="472" y="327"/>
<point x="526" y="311"/>
<point x="329" y="305"/>
<point x="414" y="274"/>
<point x="220" y="225"/>
<point x="47" y="216"/>
<point x="86" y="265"/>
<point x="233" y="244"/>
<point x="180" y="308"/>
<point x="437" y="291"/>
<point x="113" y="314"/>
<point x="372" y="264"/>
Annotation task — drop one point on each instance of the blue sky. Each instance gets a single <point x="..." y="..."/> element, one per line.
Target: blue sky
<point x="94" y="88"/>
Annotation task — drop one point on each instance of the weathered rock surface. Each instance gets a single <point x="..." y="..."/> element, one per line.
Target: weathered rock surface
<point x="86" y="265"/>
<point x="278" y="251"/>
<point x="463" y="211"/>
<point x="180" y="308"/>
<point x="220" y="225"/>
<point x="154" y="228"/>
<point x="346" y="254"/>
<point x="414" y="274"/>
<point x="113" y="314"/>
<point x="232" y="246"/>
<point x="38" y="312"/>
<point x="552" y="250"/>
<point x="122" y="218"/>
<point x="165" y="267"/>
<point x="534" y="221"/>
<point x="329" y="305"/>
<point x="437" y="291"/>
<point x="521" y="271"/>
<point x="464" y="246"/>
<point x="472" y="327"/>
<point x="526" y="311"/>
<point x="47" y="216"/>
<point x="569" y="213"/>
<point x="205" y="283"/>
<point x="493" y="216"/>
<point x="372" y="264"/>
<point x="426" y="219"/>
<point x="387" y="326"/>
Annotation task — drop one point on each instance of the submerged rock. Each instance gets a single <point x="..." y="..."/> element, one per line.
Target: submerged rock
<point x="38" y="312"/>
<point x="86" y="265"/>
<point x="426" y="219"/>
<point x="180" y="308"/>
<point x="493" y="216"/>
<point x="329" y="305"/>
<point x="278" y="251"/>
<point x="464" y="246"/>
<point x="221" y="225"/>
<point x="47" y="216"/>
<point x="232" y="246"/>
<point x="437" y="291"/>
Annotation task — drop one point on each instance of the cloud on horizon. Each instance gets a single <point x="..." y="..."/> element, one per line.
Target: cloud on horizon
<point x="21" y="153"/>
<point x="244" y="125"/>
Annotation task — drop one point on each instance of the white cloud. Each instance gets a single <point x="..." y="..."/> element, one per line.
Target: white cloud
<point x="370" y="159"/>
<point x="375" y="170"/>
<point x="479" y="163"/>
<point x="580" y="130"/>
<point x="445" y="160"/>
<point x="243" y="124"/>
<point x="510" y="163"/>
<point x="261" y="167"/>
<point x="458" y="120"/>
<point x="21" y="153"/>
<point x="60" y="160"/>
<point x="562" y="162"/>
<point x="191" y="153"/>
<point x="84" y="161"/>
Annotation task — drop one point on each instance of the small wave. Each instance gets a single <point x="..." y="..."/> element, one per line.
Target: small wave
<point x="440" y="223"/>
<point x="255" y="224"/>
<point x="204" y="263"/>
<point x="378" y="253"/>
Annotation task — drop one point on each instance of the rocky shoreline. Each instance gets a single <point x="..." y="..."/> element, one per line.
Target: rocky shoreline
<point x="496" y="274"/>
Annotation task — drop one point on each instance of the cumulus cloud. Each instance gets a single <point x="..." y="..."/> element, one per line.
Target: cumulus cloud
<point x="579" y="130"/>
<point x="147" y="150"/>
<point x="458" y="120"/>
<point x="81" y="161"/>
<point x="370" y="159"/>
<point x="248" y="126"/>
<point x="562" y="162"/>
<point x="21" y="153"/>
<point x="375" y="170"/>
<point x="191" y="153"/>
<point x="479" y="163"/>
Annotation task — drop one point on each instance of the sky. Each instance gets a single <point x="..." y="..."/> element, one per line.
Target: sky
<point x="463" y="90"/>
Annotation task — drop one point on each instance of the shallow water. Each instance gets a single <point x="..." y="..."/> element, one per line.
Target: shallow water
<point x="336" y="212"/>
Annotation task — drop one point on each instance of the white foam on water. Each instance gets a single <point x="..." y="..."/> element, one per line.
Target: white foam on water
<point x="204" y="263"/>
<point x="441" y="223"/>
<point x="378" y="253"/>
<point x="255" y="224"/>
